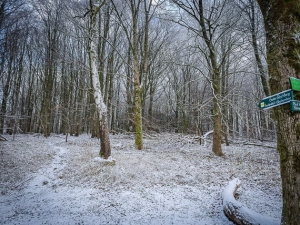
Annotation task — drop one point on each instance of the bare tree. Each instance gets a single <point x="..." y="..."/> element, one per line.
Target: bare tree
<point x="254" y="20"/>
<point x="205" y="21"/>
<point x="94" y="9"/>
<point x="131" y="29"/>
<point x="14" y="30"/>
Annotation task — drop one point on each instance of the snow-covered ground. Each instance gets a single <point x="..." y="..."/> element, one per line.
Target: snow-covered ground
<point x="174" y="180"/>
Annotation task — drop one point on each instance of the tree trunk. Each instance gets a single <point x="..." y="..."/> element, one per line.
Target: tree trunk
<point x="2" y="12"/>
<point x="253" y="22"/>
<point x="102" y="48"/>
<point x="282" y="21"/>
<point x="49" y="78"/>
<point x="129" y="91"/>
<point x="6" y="90"/>
<point x="151" y="100"/>
<point x="137" y="88"/>
<point x="217" y="135"/>
<point x="137" y="109"/>
<point x="98" y="97"/>
<point x="217" y="113"/>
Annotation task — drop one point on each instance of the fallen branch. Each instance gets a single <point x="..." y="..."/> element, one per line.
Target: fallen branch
<point x="259" y="145"/>
<point x="2" y="138"/>
<point x="204" y="136"/>
<point x="238" y="212"/>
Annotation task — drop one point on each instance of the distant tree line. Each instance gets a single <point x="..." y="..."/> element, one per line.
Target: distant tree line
<point x="189" y="71"/>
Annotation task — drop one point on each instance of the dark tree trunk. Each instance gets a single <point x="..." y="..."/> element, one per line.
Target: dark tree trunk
<point x="282" y="20"/>
<point x="105" y="150"/>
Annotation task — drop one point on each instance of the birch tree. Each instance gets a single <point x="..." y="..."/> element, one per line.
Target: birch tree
<point x="94" y="9"/>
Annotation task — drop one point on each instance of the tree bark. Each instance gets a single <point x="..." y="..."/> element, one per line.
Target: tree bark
<point x="105" y="150"/>
<point x="137" y="88"/>
<point x="217" y="113"/>
<point x="133" y="39"/>
<point x="129" y="92"/>
<point x="282" y="21"/>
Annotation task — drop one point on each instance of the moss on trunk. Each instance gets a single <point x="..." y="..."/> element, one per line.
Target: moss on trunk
<point x="138" y="119"/>
<point x="282" y="24"/>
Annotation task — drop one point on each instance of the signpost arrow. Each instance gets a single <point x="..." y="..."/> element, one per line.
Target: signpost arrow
<point x="295" y="84"/>
<point x="278" y="99"/>
<point x="295" y="106"/>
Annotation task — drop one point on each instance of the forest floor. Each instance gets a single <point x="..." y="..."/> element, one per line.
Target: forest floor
<point x="174" y="180"/>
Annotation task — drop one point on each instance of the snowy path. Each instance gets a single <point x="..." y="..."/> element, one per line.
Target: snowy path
<point x="48" y="176"/>
<point x="28" y="205"/>
<point x="44" y="200"/>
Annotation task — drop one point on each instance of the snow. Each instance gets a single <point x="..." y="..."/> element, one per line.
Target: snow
<point x="174" y="180"/>
<point x="230" y="190"/>
<point x="241" y="211"/>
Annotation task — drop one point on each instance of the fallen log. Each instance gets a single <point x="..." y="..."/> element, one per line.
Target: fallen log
<point x="239" y="213"/>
